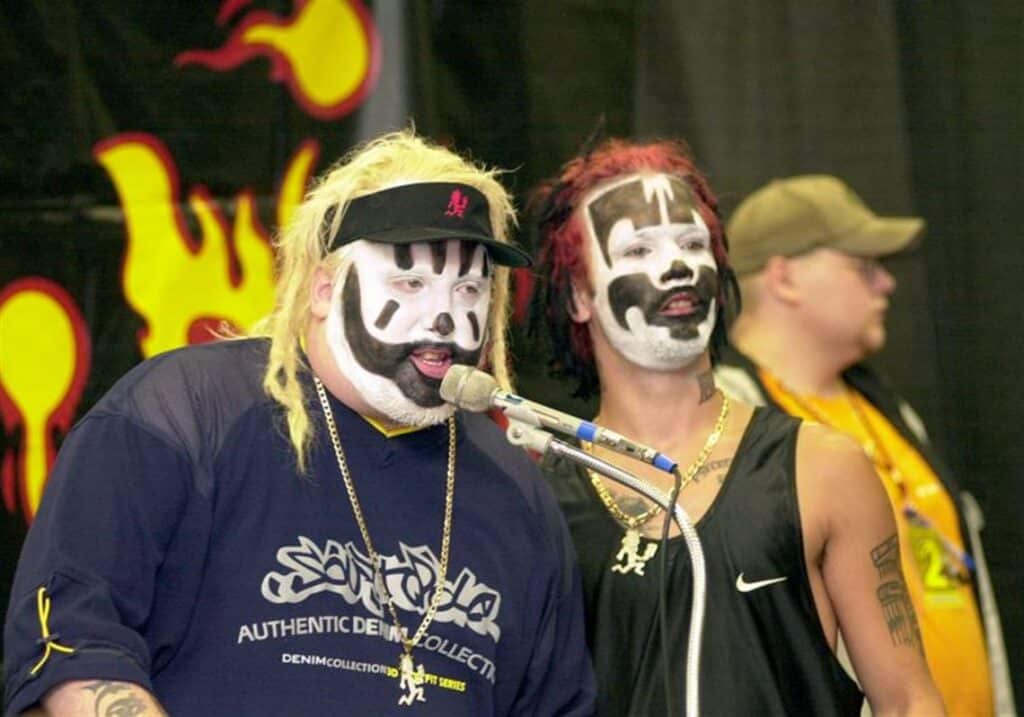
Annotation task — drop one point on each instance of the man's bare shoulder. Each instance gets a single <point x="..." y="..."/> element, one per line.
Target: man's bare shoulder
<point x="829" y="454"/>
<point x="835" y="478"/>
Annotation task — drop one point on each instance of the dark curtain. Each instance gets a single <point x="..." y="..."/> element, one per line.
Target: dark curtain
<point x="963" y="65"/>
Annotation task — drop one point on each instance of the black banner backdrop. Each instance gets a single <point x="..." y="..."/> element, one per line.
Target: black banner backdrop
<point x="147" y="153"/>
<point x="918" y="106"/>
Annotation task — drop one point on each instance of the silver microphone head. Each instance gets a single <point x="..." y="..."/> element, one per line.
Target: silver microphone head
<point x="468" y="388"/>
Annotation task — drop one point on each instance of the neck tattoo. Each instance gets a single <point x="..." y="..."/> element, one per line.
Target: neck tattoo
<point x="411" y="679"/>
<point x="706" y="383"/>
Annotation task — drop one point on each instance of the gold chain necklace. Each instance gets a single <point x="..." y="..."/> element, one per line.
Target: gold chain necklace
<point x="632" y="560"/>
<point x="410" y="679"/>
<point x="631" y="522"/>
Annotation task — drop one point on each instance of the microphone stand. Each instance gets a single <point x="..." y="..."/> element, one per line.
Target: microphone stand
<point x="524" y="430"/>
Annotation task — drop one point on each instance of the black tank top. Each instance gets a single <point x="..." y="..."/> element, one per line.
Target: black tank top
<point x="763" y="651"/>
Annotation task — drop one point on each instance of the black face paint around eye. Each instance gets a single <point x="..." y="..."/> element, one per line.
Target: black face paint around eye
<point x="393" y="361"/>
<point x="628" y="201"/>
<point x="637" y="290"/>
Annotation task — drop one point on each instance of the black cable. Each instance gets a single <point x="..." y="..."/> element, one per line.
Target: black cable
<point x="663" y="589"/>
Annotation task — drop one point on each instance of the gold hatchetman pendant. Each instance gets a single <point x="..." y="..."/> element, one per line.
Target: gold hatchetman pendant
<point x="411" y="680"/>
<point x="631" y="560"/>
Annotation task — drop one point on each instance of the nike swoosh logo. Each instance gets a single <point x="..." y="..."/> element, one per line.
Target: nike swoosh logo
<point x="744" y="587"/>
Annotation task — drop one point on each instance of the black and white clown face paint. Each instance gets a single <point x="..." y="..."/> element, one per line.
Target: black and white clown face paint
<point x="402" y="315"/>
<point x="654" y="273"/>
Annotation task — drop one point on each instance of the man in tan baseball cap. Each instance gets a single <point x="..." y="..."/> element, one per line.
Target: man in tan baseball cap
<point x="815" y="298"/>
<point x="796" y="215"/>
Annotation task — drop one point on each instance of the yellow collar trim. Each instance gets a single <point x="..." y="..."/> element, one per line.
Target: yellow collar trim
<point x="392" y="432"/>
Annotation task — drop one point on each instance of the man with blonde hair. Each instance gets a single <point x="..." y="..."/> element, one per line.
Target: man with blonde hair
<point x="297" y="523"/>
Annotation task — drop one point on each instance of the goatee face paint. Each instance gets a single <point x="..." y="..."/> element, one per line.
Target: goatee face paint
<point x="401" y="315"/>
<point x="655" y="278"/>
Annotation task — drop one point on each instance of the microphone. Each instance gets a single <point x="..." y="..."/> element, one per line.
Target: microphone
<point x="476" y="391"/>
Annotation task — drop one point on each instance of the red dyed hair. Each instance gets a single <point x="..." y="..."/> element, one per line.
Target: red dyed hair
<point x="562" y="241"/>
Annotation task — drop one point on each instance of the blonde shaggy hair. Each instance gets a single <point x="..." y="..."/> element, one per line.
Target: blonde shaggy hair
<point x="391" y="160"/>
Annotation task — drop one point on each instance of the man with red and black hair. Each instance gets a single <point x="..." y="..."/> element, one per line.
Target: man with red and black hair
<point x="566" y="248"/>
<point x="797" y="532"/>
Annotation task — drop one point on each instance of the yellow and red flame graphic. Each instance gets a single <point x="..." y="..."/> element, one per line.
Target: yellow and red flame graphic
<point x="181" y="287"/>
<point x="327" y="52"/>
<point x="44" y="361"/>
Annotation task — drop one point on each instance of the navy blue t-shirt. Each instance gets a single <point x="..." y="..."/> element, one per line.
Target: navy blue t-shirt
<point x="180" y="549"/>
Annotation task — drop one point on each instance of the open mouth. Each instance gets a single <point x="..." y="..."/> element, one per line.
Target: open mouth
<point x="681" y="303"/>
<point x="431" y="361"/>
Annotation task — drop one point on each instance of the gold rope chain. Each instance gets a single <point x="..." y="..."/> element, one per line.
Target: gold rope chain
<point x="446" y="531"/>
<point x="631" y="522"/>
<point x="634" y="522"/>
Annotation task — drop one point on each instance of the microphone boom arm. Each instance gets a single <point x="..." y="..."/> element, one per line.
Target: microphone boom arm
<point x="473" y="390"/>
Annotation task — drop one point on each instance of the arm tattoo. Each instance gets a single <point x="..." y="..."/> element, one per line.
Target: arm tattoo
<point x="116" y="699"/>
<point x="706" y="382"/>
<point x="892" y="594"/>
<point x="712" y="466"/>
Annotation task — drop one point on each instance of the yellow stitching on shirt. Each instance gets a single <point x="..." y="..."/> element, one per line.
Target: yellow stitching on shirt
<point x="43" y="608"/>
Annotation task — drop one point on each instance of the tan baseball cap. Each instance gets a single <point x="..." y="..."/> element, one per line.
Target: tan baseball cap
<point x="797" y="214"/>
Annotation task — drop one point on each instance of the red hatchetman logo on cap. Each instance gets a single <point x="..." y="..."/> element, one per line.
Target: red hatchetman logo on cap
<point x="457" y="204"/>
